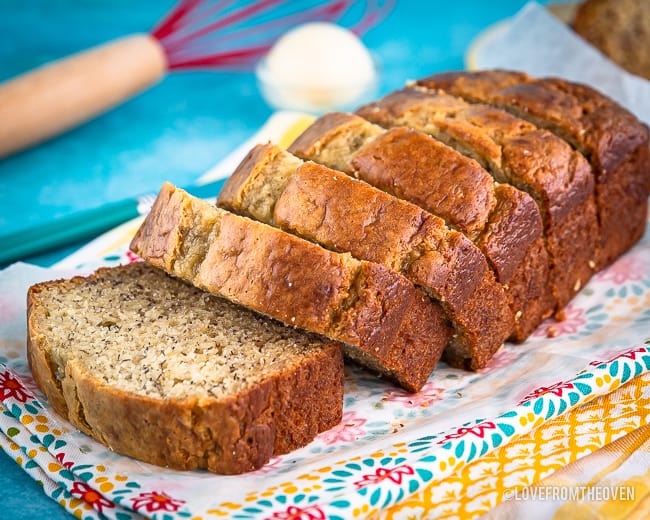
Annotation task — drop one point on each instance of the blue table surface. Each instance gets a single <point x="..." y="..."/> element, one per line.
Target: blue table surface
<point x="175" y="131"/>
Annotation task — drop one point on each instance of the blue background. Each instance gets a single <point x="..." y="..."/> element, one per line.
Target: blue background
<point x="175" y="131"/>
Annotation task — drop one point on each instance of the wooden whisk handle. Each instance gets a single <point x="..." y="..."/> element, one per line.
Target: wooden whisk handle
<point x="62" y="94"/>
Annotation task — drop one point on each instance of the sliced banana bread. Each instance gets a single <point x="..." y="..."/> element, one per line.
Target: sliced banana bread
<point x="346" y="215"/>
<point x="501" y="220"/>
<point x="385" y="322"/>
<point x="613" y="140"/>
<point x="517" y="153"/>
<point x="161" y="371"/>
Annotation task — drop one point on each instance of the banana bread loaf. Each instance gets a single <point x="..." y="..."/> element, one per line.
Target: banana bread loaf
<point x="347" y="215"/>
<point x="501" y="220"/>
<point x="161" y="371"/>
<point x="517" y="153"/>
<point x="620" y="29"/>
<point x="611" y="138"/>
<point x="385" y="323"/>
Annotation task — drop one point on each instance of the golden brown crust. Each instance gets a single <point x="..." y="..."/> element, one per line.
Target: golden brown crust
<point x="349" y="215"/>
<point x="369" y="307"/>
<point x="480" y="80"/>
<point x="597" y="126"/>
<point x="410" y="338"/>
<point x="343" y="214"/>
<point x="418" y="168"/>
<point x="40" y="362"/>
<point x="608" y="133"/>
<point x="513" y="241"/>
<point x="512" y="227"/>
<point x="517" y="153"/>
<point x="503" y="221"/>
<point x="613" y="140"/>
<point x="264" y="269"/>
<point x="229" y="435"/>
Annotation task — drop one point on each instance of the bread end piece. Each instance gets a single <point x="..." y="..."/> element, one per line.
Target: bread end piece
<point x="297" y="390"/>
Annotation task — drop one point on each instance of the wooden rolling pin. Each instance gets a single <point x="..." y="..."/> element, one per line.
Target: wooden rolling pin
<point x="60" y="95"/>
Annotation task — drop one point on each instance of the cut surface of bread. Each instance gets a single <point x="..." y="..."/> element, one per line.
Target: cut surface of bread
<point x="502" y="221"/>
<point x="518" y="153"/>
<point x="386" y="323"/>
<point x="347" y="215"/>
<point x="611" y="138"/>
<point x="161" y="371"/>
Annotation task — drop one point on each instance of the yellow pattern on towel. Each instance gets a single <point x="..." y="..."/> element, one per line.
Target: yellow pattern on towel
<point x="563" y="452"/>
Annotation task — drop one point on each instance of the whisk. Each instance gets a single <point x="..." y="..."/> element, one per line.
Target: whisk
<point x="219" y="35"/>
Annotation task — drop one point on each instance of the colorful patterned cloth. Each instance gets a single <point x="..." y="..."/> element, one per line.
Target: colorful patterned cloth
<point x="612" y="426"/>
<point x="458" y="448"/>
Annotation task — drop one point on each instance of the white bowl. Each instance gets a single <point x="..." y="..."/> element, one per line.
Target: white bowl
<point x="287" y="93"/>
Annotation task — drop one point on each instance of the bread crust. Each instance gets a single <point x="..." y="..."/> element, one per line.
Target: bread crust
<point x="40" y="362"/>
<point x="611" y="138"/>
<point x="426" y="171"/>
<point x="501" y="220"/>
<point x="229" y="435"/>
<point x="517" y="153"/>
<point x="347" y="215"/>
<point x="383" y="319"/>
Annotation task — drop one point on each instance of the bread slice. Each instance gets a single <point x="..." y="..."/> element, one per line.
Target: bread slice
<point x="385" y="322"/>
<point x="501" y="220"/>
<point x="518" y="153"/>
<point x="613" y="140"/>
<point x="346" y="215"/>
<point x="163" y="372"/>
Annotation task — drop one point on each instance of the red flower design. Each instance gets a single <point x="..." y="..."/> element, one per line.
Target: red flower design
<point x="90" y="496"/>
<point x="569" y="325"/>
<point x="478" y="430"/>
<point x="61" y="457"/>
<point x="349" y="429"/>
<point x="132" y="257"/>
<point x="556" y="389"/>
<point x="394" y="475"/>
<point x="428" y="394"/>
<point x="11" y="387"/>
<point x="299" y="513"/>
<point x="626" y="268"/>
<point x="630" y="354"/>
<point x="156" y="501"/>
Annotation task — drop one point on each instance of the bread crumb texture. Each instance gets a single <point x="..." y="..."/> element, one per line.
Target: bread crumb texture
<point x="156" y="336"/>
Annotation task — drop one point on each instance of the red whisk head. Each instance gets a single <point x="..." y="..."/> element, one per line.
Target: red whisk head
<point x="234" y="35"/>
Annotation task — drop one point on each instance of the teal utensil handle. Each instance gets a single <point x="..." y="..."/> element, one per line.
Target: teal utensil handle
<point x="79" y="226"/>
